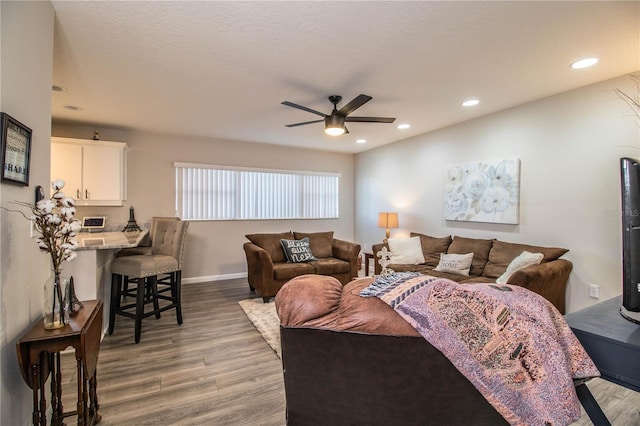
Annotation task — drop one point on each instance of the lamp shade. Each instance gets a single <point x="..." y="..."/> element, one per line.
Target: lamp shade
<point x="387" y="220"/>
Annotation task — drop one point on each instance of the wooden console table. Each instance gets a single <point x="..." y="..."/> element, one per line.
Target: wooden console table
<point x="39" y="355"/>
<point x="613" y="343"/>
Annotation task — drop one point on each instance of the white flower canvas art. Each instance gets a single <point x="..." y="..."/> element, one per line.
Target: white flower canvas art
<point x="483" y="192"/>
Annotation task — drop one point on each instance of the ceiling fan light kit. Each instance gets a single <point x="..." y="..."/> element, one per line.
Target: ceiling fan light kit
<point x="334" y="125"/>
<point x="334" y="122"/>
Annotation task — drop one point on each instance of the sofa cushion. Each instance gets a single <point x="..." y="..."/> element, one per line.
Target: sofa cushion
<point x="286" y="271"/>
<point x="321" y="242"/>
<point x="522" y="261"/>
<point x="432" y="247"/>
<point x="502" y="253"/>
<point x="330" y="265"/>
<point x="297" y="251"/>
<point x="458" y="264"/>
<point x="406" y="250"/>
<point x="271" y="243"/>
<point x="479" y="248"/>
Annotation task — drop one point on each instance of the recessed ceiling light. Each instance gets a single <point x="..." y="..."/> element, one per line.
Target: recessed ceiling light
<point x="470" y="102"/>
<point x="361" y="141"/>
<point x="403" y="126"/>
<point x="72" y="108"/>
<point x="584" y="63"/>
<point x="58" y="89"/>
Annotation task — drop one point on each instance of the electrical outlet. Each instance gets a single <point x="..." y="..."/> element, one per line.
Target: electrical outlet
<point x="594" y="291"/>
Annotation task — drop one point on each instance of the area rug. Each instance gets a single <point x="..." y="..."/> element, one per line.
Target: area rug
<point x="265" y="319"/>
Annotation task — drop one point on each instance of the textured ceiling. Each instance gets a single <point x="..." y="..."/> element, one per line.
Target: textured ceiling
<point x="220" y="69"/>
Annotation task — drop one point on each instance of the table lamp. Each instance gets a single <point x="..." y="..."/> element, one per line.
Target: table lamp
<point x="388" y="220"/>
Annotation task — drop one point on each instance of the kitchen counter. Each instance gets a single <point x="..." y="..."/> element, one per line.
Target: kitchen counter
<point x="91" y="269"/>
<point x="109" y="240"/>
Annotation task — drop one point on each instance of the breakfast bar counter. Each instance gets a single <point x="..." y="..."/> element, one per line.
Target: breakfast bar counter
<point x="91" y="269"/>
<point x="108" y="240"/>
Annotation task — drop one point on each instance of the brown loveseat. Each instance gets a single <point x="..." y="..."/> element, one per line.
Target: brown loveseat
<point x="490" y="261"/>
<point x="268" y="269"/>
<point x="350" y="360"/>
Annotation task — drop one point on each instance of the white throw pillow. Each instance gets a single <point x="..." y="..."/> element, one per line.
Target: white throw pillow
<point x="406" y="251"/>
<point x="523" y="260"/>
<point x="458" y="264"/>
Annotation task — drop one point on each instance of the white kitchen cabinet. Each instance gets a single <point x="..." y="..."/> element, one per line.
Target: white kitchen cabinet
<point x="94" y="171"/>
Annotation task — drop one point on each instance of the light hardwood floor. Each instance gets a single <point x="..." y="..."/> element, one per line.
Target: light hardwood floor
<point x="215" y="369"/>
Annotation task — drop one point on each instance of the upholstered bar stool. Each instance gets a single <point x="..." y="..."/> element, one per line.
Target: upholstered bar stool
<point x="143" y="249"/>
<point x="167" y="253"/>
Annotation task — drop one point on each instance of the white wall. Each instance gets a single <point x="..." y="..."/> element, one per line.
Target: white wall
<point x="214" y="248"/>
<point x="569" y="146"/>
<point x="26" y="33"/>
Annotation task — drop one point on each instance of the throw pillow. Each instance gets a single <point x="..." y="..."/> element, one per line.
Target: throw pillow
<point x="297" y="251"/>
<point x="523" y="260"/>
<point x="406" y="251"/>
<point x="452" y="263"/>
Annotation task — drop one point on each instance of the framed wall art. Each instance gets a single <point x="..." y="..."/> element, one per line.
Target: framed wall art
<point x="483" y="192"/>
<point x="16" y="150"/>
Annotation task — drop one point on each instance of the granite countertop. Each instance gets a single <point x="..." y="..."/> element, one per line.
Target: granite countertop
<point x="109" y="240"/>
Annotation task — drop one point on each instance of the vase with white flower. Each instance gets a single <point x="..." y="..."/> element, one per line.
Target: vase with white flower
<point x="54" y="220"/>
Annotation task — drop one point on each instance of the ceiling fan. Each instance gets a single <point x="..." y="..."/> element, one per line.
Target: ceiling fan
<point x="334" y="122"/>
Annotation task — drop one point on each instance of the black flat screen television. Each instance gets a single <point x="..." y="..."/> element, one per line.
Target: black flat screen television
<point x="630" y="186"/>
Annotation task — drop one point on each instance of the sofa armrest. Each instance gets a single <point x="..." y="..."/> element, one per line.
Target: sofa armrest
<point x="375" y="249"/>
<point x="347" y="251"/>
<point x="547" y="279"/>
<point x="259" y="265"/>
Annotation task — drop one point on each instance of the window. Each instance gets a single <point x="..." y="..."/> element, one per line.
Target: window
<point x="209" y="192"/>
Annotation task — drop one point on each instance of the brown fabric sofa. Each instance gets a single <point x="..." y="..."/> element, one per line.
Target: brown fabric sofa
<point x="350" y="360"/>
<point x="490" y="260"/>
<point x="268" y="269"/>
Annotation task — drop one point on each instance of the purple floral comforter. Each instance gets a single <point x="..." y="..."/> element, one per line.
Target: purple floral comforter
<point x="510" y="343"/>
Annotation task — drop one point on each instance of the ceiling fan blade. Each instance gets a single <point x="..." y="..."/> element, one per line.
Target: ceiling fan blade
<point x="370" y="119"/>
<point x="312" y="111"/>
<point x="302" y="124"/>
<point x="356" y="103"/>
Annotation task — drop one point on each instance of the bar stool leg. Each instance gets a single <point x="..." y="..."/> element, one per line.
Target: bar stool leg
<point x="139" y="308"/>
<point x="153" y="284"/>
<point x="115" y="300"/>
<point x="176" y="293"/>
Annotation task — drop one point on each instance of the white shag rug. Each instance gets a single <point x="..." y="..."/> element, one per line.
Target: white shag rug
<point x="264" y="317"/>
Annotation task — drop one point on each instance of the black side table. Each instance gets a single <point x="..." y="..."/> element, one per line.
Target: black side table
<point x="367" y="257"/>
<point x="613" y="343"/>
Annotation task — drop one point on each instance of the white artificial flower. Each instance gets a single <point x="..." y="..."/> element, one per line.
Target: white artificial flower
<point x="70" y="245"/>
<point x="54" y="219"/>
<point x="66" y="229"/>
<point x="68" y="212"/>
<point x="68" y="202"/>
<point x="72" y="255"/>
<point x="45" y="206"/>
<point x="57" y="184"/>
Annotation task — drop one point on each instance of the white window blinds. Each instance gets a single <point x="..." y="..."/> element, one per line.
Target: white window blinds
<point x="209" y="192"/>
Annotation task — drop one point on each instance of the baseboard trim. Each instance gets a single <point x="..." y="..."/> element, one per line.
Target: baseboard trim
<point x="214" y="278"/>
